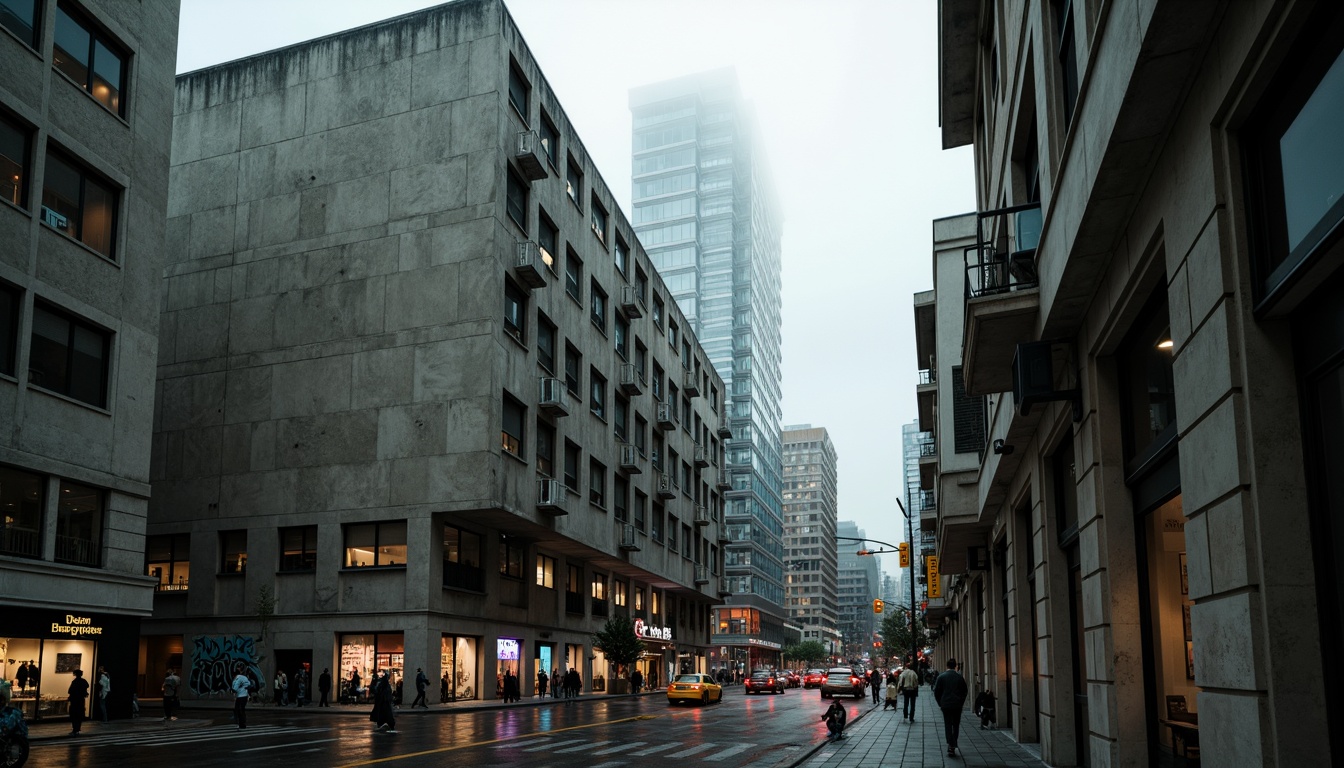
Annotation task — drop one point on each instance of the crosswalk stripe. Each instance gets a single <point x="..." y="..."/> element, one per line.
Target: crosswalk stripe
<point x="611" y="764"/>
<point x="692" y="750"/>
<point x="729" y="752"/>
<point x="235" y="734"/>
<point x="619" y="748"/>
<point x="651" y="750"/>
<point x="284" y="746"/>
<point x="552" y="745"/>
<point x="583" y="747"/>
<point x="175" y="734"/>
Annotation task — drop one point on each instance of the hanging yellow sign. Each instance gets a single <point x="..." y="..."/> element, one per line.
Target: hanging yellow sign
<point x="904" y="549"/>
<point x="935" y="579"/>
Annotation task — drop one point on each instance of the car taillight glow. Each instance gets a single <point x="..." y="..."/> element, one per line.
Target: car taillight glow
<point x="854" y="680"/>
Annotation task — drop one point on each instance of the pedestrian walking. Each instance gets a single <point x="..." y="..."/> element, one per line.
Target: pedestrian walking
<point x="79" y="694"/>
<point x="542" y="681"/>
<point x="100" y="692"/>
<point x="835" y="717"/>
<point x="281" y="688"/>
<point x="443" y="689"/>
<point x="875" y="680"/>
<point x="242" y="686"/>
<point x="984" y="707"/>
<point x="324" y="687"/>
<point x="301" y="687"/>
<point x="171" y="682"/>
<point x="949" y="691"/>
<point x="383" y="715"/>
<point x="908" y="686"/>
<point x="354" y="685"/>
<point x="421" y="685"/>
<point x="636" y="681"/>
<point x="511" y="687"/>
<point x="573" y="683"/>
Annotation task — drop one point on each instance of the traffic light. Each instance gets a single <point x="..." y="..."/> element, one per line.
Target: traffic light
<point x="904" y="549"/>
<point x="877" y="605"/>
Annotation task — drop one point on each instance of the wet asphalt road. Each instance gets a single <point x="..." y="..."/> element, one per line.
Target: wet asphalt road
<point x="760" y="731"/>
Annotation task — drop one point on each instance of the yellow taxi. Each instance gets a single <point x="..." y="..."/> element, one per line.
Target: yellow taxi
<point x="694" y="687"/>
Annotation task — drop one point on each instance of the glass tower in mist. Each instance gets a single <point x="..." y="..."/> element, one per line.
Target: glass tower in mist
<point x="705" y="210"/>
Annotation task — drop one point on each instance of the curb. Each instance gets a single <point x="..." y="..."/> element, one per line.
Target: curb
<point x="814" y="750"/>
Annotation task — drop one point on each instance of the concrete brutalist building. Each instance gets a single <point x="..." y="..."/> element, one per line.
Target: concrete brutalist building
<point x="85" y="129"/>
<point x="1138" y="368"/>
<point x="414" y="379"/>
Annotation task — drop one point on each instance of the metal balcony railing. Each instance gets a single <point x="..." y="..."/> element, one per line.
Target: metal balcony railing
<point x="76" y="550"/>
<point x="927" y="502"/>
<point x="23" y="542"/>
<point x="928" y="447"/>
<point x="928" y="376"/>
<point x="1004" y="256"/>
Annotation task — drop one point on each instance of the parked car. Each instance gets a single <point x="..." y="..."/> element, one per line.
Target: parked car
<point x="764" y="680"/>
<point x="814" y="678"/>
<point x="694" y="688"/>
<point x="793" y="679"/>
<point x="843" y="681"/>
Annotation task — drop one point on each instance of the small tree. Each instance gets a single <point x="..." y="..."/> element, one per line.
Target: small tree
<point x="810" y="652"/>
<point x="896" y="637"/>
<point x="618" y="641"/>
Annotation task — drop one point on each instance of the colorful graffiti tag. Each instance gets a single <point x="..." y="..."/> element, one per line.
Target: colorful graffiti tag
<point x="215" y="662"/>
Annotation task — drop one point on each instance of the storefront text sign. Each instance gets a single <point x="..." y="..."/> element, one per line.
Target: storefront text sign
<point x="646" y="632"/>
<point x="75" y="625"/>
<point x="935" y="578"/>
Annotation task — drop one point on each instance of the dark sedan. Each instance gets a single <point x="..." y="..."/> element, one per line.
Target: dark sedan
<point x="760" y="682"/>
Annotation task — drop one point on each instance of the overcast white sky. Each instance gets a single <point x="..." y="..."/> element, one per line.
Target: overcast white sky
<point x="847" y="96"/>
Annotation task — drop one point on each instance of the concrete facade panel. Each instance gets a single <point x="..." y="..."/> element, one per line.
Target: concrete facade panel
<point x="382" y="377"/>
<point x="207" y="132"/>
<point x="449" y="369"/>
<point x="202" y="332"/>
<point x="422" y="189"/>
<point x="358" y="96"/>
<point x="247" y="395"/>
<point x="1237" y="726"/>
<point x="203" y="185"/>
<point x="212" y="232"/>
<point x="333" y="438"/>
<point x="428" y="85"/>
<point x="273" y="116"/>
<point x="1227" y="643"/>
<point x="1212" y="462"/>
<point x="310" y="387"/>
<point x="412" y="430"/>
<point x="192" y="401"/>
<point x="425" y="297"/>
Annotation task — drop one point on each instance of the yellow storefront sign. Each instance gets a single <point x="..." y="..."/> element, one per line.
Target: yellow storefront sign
<point x="935" y="579"/>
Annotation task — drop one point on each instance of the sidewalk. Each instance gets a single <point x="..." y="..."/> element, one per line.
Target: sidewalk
<point x="876" y="738"/>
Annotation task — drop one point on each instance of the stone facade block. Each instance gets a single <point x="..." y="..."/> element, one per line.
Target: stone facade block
<point x="273" y="116"/>
<point x="328" y="312"/>
<point x="310" y="387"/>
<point x="247" y="395"/>
<point x="425" y="297"/>
<point x="1204" y="367"/>
<point x="412" y="430"/>
<point x="1212" y="461"/>
<point x="452" y="369"/>
<point x="207" y="132"/>
<point x="382" y="377"/>
<point x="258" y="493"/>
<point x="330" y="438"/>
<point x="1227" y="642"/>
<point x="193" y="401"/>
<point x="202" y="332"/>
<point x="357" y="96"/>
<point x="428" y="85"/>
<point x="342" y="487"/>
<point x="1234" y="728"/>
<point x="423" y="189"/>
<point x="203" y="185"/>
<point x="273" y="220"/>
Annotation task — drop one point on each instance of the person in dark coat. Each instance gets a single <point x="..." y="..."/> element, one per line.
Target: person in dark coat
<point x="22" y="676"/>
<point x="511" y="691"/>
<point x="421" y="685"/>
<point x="835" y="717"/>
<point x="573" y="683"/>
<point x="636" y="681"/>
<point x="383" y="714"/>
<point x="324" y="687"/>
<point x="542" y="680"/>
<point x="949" y="690"/>
<point x="443" y="689"/>
<point x="79" y="693"/>
<point x="875" y="682"/>
<point x="984" y="707"/>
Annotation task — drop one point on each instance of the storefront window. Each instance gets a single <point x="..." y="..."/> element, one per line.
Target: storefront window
<point x="40" y="669"/>
<point x="79" y="525"/>
<point x="457" y="657"/>
<point x="21" y="502"/>
<point x="168" y="559"/>
<point x="507" y="655"/>
<point x="366" y="654"/>
<point x="1169" y="604"/>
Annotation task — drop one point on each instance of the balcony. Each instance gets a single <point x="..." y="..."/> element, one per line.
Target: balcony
<point x="926" y="394"/>
<point x="701" y="575"/>
<point x="925" y="353"/>
<point x="724" y="591"/>
<point x="1002" y="295"/>
<point x="928" y="461"/>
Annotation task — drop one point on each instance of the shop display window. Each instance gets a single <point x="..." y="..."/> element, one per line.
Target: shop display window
<point x="40" y="673"/>
<point x="365" y="654"/>
<point x="457" y="658"/>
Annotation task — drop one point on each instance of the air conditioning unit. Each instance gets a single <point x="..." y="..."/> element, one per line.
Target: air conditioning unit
<point x="551" y="497"/>
<point x="724" y="591"/>
<point x="528" y="154"/>
<point x="54" y="219"/>
<point x="724" y="482"/>
<point x="630" y="459"/>
<point x="690" y="383"/>
<point x="630" y="380"/>
<point x="701" y="515"/>
<point x="628" y="541"/>
<point x="665" y="488"/>
<point x="532" y="263"/>
<point x="723" y="536"/>
<point x="701" y="456"/>
<point x="630" y="302"/>
<point x="701" y="575"/>
<point x="664" y="416"/>
<point x="553" y="399"/>
<point x="725" y="433"/>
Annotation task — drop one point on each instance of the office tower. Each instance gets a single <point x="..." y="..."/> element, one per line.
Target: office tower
<point x="859" y="582"/>
<point x="705" y="210"/>
<point x="810" y="504"/>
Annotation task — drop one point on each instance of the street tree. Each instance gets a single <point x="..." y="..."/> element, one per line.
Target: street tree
<point x="618" y="641"/>
<point x="896" y="638"/>
<point x="810" y="652"/>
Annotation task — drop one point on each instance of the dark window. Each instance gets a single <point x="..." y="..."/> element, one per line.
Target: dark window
<point x="620" y="493"/>
<point x="22" y="497"/>
<point x="517" y="199"/>
<point x="14" y="156"/>
<point x="518" y="91"/>
<point x="168" y="559"/>
<point x="656" y="523"/>
<point x="1147" y="383"/>
<point x="571" y="466"/>
<point x="573" y="275"/>
<point x="90" y="58"/>
<point x="641" y="507"/>
<point x="79" y="524"/>
<point x="599" y="220"/>
<point x="621" y="255"/>
<point x="641" y="360"/>
<point x="80" y="204"/>
<point x="20" y="17"/>
<point x="550" y="138"/>
<point x="9" y="328"/>
<point x="548" y="238"/>
<point x="672" y="332"/>
<point x="298" y="548"/>
<point x="574" y="183"/>
<point x="641" y="428"/>
<point x="574" y="591"/>
<point x="657" y="382"/>
<point x="599" y="594"/>
<point x="1066" y="491"/>
<point x="622" y="332"/>
<point x="545" y="343"/>
<point x="462" y="559"/>
<point x="510" y="557"/>
<point x="375" y="544"/>
<point x="968" y="417"/>
<point x="68" y="356"/>
<point x="598" y="306"/>
<point x="658" y="312"/>
<point x="233" y="551"/>
<point x="597" y="483"/>
<point x="545" y="448"/>
<point x="672" y="524"/>
<point x="511" y="434"/>
<point x="573" y="364"/>
<point x="641" y="285"/>
<point x="621" y="418"/>
<point x="598" y="394"/>
<point x="1068" y="56"/>
<point x="515" y="311"/>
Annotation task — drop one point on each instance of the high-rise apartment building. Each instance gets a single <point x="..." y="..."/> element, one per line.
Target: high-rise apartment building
<point x="85" y="130"/>
<point x="424" y="397"/>
<point x="858" y="583"/>
<point x="916" y="457"/>
<point x="705" y="210"/>
<point x="810" y="513"/>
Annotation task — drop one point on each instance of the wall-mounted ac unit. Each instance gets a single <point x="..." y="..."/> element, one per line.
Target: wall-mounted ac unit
<point x="553" y="398"/>
<point x="629" y="382"/>
<point x="664" y="416"/>
<point x="531" y="159"/>
<point x="551" y="497"/>
<point x="630" y="302"/>
<point x="665" y="488"/>
<point x="724" y="482"/>
<point x="532" y="264"/>
<point x="630" y="459"/>
<point x="690" y="383"/>
<point x="628" y="541"/>
<point x="701" y="456"/>
<point x="701" y="575"/>
<point x="701" y="515"/>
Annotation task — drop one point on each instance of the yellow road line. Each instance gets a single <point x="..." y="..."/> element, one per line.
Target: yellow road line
<point x="495" y="741"/>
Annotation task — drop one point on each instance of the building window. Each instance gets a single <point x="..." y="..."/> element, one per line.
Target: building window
<point x="672" y="392"/>
<point x="574" y="182"/>
<point x="597" y="483"/>
<point x="598" y="307"/>
<point x="20" y="17"/>
<point x="233" y="551"/>
<point x="1068" y="56"/>
<point x="672" y="334"/>
<point x="622" y="331"/>
<point x="599" y="594"/>
<point x="573" y="276"/>
<point x="656" y="524"/>
<point x="641" y="360"/>
<point x="518" y="90"/>
<point x="545" y="571"/>
<point x="462" y="559"/>
<point x="375" y="544"/>
<point x="68" y="356"/>
<point x="621" y="255"/>
<point x="550" y="138"/>
<point x="619" y="593"/>
<point x="545" y="449"/>
<point x="545" y="343"/>
<point x="641" y="286"/>
<point x="641" y="429"/>
<point x="672" y="524"/>
<point x="298" y="548"/>
<point x="599" y="220"/>
<point x="620" y="419"/>
<point x="641" y="510"/>
<point x="598" y="394"/>
<point x="571" y="466"/>
<point x="15" y="144"/>
<point x="168" y="560"/>
<point x="574" y="591"/>
<point x="548" y="239"/>
<point x="90" y="58"/>
<point x="511" y="434"/>
<point x="79" y="525"/>
<point x="79" y="204"/>
<point x="516" y="194"/>
<point x="968" y="417"/>
<point x="22" y="499"/>
<point x="657" y="382"/>
<point x="639" y="598"/>
<point x="573" y="364"/>
<point x="9" y="328"/>
<point x="658" y="313"/>
<point x="1148" y="389"/>
<point x="515" y="311"/>
<point x="620" y="502"/>
<point x="510" y="557"/>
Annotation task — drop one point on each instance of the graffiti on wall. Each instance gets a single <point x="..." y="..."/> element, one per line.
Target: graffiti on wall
<point x="215" y="662"/>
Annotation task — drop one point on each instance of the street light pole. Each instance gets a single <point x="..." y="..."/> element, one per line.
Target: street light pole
<point x="910" y="537"/>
